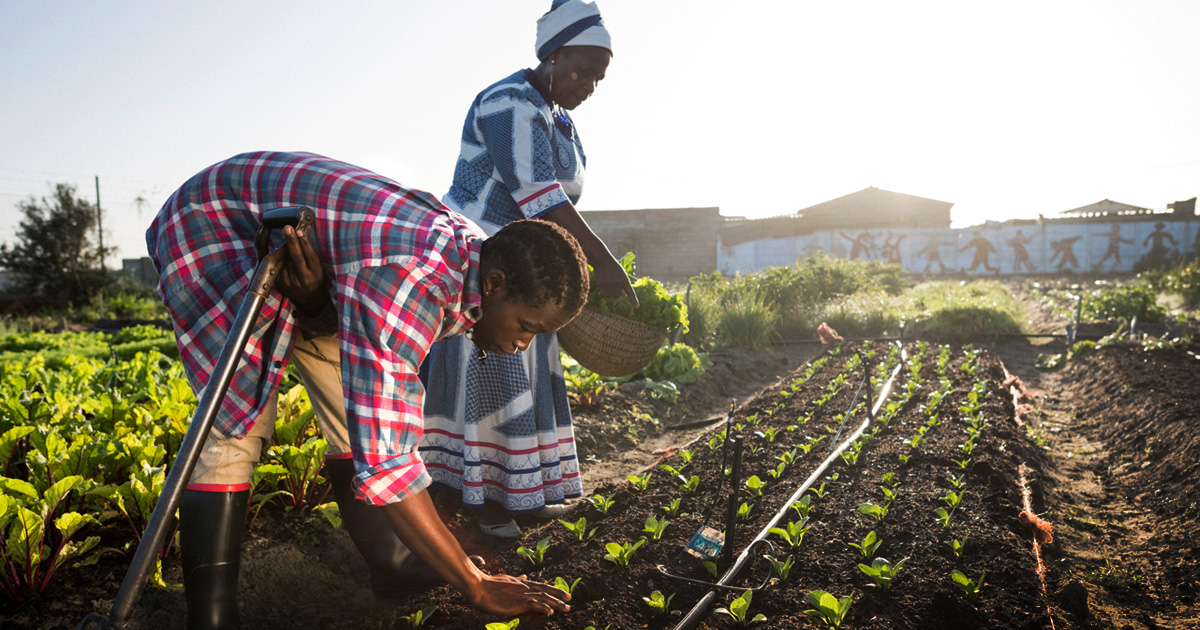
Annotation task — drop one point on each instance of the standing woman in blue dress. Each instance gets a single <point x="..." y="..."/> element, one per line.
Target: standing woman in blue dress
<point x="500" y="429"/>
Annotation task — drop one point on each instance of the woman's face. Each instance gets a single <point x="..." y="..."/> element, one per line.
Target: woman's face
<point x="508" y="324"/>
<point x="577" y="70"/>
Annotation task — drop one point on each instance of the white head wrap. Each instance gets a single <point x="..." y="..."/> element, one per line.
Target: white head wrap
<point x="570" y="23"/>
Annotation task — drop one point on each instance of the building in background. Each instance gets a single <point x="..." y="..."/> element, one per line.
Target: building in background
<point x="670" y="244"/>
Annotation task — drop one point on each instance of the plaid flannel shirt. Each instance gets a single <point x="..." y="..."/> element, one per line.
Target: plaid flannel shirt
<point x="405" y="273"/>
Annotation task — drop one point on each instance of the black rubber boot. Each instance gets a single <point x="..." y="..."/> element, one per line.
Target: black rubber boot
<point x="395" y="574"/>
<point x="210" y="541"/>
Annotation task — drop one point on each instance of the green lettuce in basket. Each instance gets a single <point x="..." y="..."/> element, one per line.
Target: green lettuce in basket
<point x="657" y="307"/>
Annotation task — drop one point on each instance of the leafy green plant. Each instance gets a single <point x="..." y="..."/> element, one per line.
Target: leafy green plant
<point x="621" y="553"/>
<point x="711" y="567"/>
<point x="868" y="546"/>
<point x="957" y="482"/>
<point x="877" y="512"/>
<point x="793" y="532"/>
<point x="778" y="471"/>
<point x="689" y="484"/>
<point x="671" y="470"/>
<point x="569" y="587"/>
<point x="655" y="527"/>
<point x="743" y="512"/>
<point x="787" y="457"/>
<point x="537" y="555"/>
<point x="755" y="486"/>
<point x="969" y="587"/>
<point x="828" y="608"/>
<point x="819" y="490"/>
<point x="579" y="528"/>
<point x="641" y="482"/>
<point x="679" y="363"/>
<point x="503" y="625"/>
<point x="889" y="494"/>
<point x="686" y="456"/>
<point x="956" y="547"/>
<point x="739" y="608"/>
<point x="769" y="434"/>
<point x="672" y="508"/>
<point x="781" y="568"/>
<point x="962" y="463"/>
<point x="602" y="503"/>
<point x="882" y="571"/>
<point x="803" y="506"/>
<point x="417" y="619"/>
<point x="903" y="459"/>
<point x="658" y="603"/>
<point x="944" y="517"/>
<point x="889" y="479"/>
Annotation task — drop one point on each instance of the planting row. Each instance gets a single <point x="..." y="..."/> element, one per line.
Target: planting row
<point x="915" y="515"/>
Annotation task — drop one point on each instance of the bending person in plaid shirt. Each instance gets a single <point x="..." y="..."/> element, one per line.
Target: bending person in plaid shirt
<point x="387" y="271"/>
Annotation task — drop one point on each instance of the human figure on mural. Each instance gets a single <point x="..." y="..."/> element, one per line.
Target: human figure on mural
<point x="1064" y="250"/>
<point x="891" y="245"/>
<point x="1114" y="246"/>
<point x="983" y="250"/>
<point x="1020" y="255"/>
<point x="1158" y="236"/>
<point x="858" y="244"/>
<point x="932" y="254"/>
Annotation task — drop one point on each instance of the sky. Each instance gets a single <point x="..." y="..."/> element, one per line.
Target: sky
<point x="1007" y="110"/>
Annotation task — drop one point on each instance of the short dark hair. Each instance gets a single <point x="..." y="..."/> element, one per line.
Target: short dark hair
<point x="541" y="262"/>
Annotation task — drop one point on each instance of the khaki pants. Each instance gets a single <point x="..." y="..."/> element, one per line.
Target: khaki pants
<point x="226" y="463"/>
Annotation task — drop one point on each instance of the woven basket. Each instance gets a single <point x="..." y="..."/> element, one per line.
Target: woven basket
<point x="610" y="345"/>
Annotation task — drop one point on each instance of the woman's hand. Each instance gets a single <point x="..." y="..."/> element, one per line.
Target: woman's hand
<point x="509" y="596"/>
<point x="613" y="282"/>
<point x="302" y="279"/>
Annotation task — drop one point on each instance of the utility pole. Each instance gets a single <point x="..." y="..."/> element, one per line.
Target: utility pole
<point x="99" y="223"/>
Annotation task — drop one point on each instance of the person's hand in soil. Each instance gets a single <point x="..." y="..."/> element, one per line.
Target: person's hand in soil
<point x="302" y="279"/>
<point x="508" y="596"/>
<point x="418" y="526"/>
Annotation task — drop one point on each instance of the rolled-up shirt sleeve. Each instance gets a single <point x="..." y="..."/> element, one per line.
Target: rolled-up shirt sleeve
<point x="390" y="315"/>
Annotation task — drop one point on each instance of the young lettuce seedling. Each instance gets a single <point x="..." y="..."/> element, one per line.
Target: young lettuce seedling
<point x="890" y="495"/>
<point x="969" y="587"/>
<point x="768" y="434"/>
<point x="503" y="625"/>
<point x="869" y="545"/>
<point x="956" y="547"/>
<point x="828" y="608"/>
<point x="671" y="470"/>
<point x="641" y="482"/>
<point x="689" y="485"/>
<point x="672" y="508"/>
<point x="903" y="459"/>
<point x="755" y="486"/>
<point x="655" y="527"/>
<point x="788" y="457"/>
<point x="803" y="506"/>
<point x="621" y="553"/>
<point x="957" y="482"/>
<point x="781" y="569"/>
<point x="876" y="512"/>
<point x="944" y="516"/>
<point x="953" y="499"/>
<point x="794" y="532"/>
<point x="962" y="463"/>
<point x="882" y="571"/>
<point x="686" y="456"/>
<point x="778" y="472"/>
<point x="601" y="503"/>
<point x="415" y="620"/>
<point x="740" y="607"/>
<point x="819" y="491"/>
<point x="579" y="528"/>
<point x="744" y="509"/>
<point x="658" y="603"/>
<point x="569" y="587"/>
<point x="537" y="555"/>
<point x="711" y="567"/>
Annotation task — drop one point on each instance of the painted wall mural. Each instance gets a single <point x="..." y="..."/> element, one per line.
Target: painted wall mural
<point x="986" y="250"/>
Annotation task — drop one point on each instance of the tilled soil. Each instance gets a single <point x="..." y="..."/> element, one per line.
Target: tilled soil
<point x="1111" y="439"/>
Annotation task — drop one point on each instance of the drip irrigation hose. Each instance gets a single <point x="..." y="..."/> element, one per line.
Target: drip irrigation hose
<point x="702" y="607"/>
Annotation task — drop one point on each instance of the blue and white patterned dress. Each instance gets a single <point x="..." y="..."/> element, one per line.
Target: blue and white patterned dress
<point x="501" y="429"/>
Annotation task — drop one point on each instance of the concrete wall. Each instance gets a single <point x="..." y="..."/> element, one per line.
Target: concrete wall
<point x="671" y="244"/>
<point x="1053" y="246"/>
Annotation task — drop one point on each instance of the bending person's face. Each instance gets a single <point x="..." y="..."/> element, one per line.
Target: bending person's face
<point x="577" y="70"/>
<point x="508" y="324"/>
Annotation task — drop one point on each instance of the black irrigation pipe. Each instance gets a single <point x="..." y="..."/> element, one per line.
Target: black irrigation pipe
<point x="702" y="607"/>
